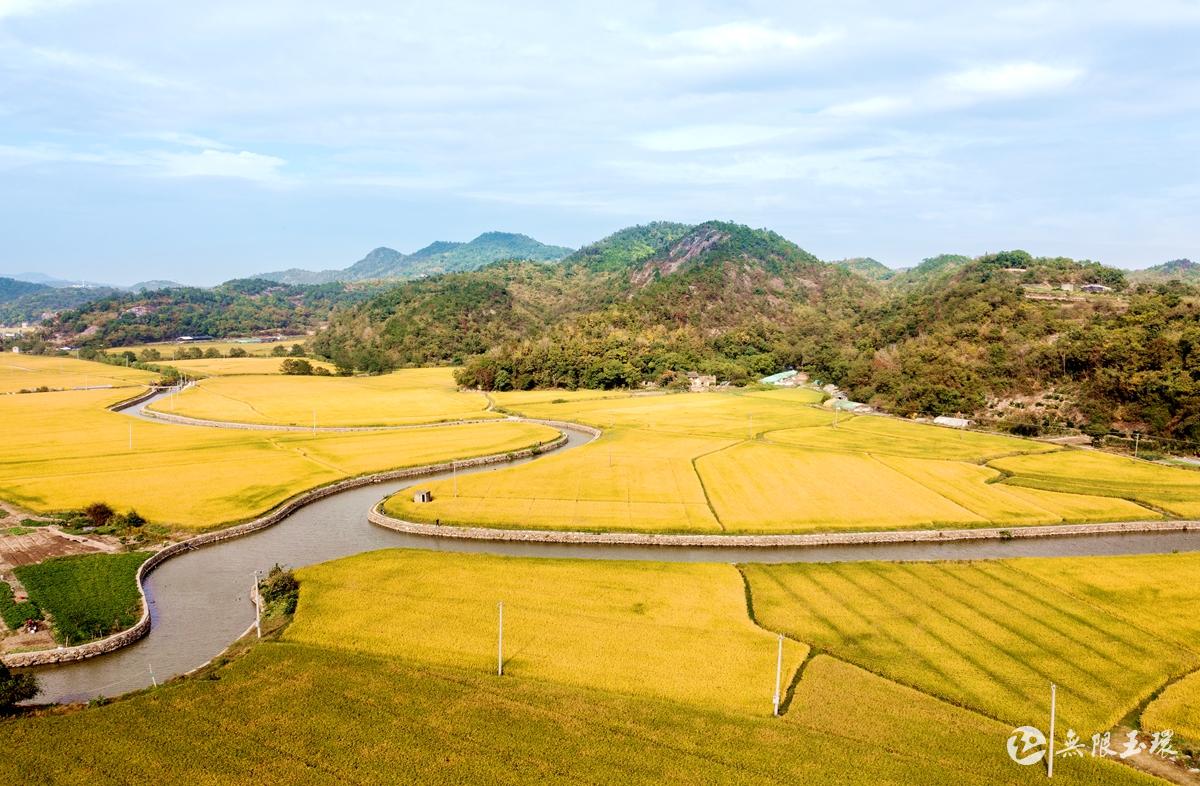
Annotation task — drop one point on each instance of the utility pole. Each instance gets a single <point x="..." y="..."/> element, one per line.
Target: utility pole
<point x="153" y="679"/>
<point x="1137" y="438"/>
<point x="1050" y="741"/>
<point x="835" y="413"/>
<point x="500" y="643"/>
<point x="257" y="607"/>
<point x="778" y="675"/>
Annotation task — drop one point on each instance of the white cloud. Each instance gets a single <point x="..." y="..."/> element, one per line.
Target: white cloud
<point x="707" y="137"/>
<point x="30" y="7"/>
<point x="220" y="163"/>
<point x="875" y="106"/>
<point x="1012" y="79"/>
<point x="743" y="38"/>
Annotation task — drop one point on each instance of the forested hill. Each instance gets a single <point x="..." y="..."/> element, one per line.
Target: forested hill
<point x="23" y="301"/>
<point x="1006" y="336"/>
<point x="235" y="308"/>
<point x="438" y="257"/>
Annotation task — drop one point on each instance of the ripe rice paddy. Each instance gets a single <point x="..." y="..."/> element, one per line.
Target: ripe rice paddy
<point x="64" y="451"/>
<point x="622" y="673"/>
<point x="423" y="395"/>
<point x="674" y="631"/>
<point x="28" y="372"/>
<point x="220" y="367"/>
<point x="992" y="635"/>
<point x="769" y="462"/>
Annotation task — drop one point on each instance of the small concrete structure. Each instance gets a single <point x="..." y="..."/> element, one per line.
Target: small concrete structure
<point x="943" y="420"/>
<point x="1095" y="288"/>
<point x="424" y="495"/>
<point x="700" y="382"/>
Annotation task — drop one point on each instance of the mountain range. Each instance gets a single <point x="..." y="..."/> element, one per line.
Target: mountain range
<point x="441" y="256"/>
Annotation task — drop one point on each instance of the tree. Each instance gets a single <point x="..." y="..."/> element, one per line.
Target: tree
<point x="212" y="352"/>
<point x="278" y="350"/>
<point x="297" y="351"/>
<point x="237" y="352"/>
<point x="296" y="367"/>
<point x="15" y="688"/>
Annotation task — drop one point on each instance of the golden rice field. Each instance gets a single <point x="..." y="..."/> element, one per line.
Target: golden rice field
<point x="65" y="450"/>
<point x="673" y="631"/>
<point x="619" y="673"/>
<point x="259" y="349"/>
<point x="422" y="395"/>
<point x="26" y="372"/>
<point x="219" y="367"/>
<point x="769" y="462"/>
<point x="1173" y="489"/>
<point x="991" y="636"/>
<point x="288" y="714"/>
<point x="1178" y="708"/>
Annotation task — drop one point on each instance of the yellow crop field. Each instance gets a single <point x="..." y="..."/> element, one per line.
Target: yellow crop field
<point x="219" y="367"/>
<point x="423" y="395"/>
<point x="261" y="348"/>
<point x="993" y="635"/>
<point x="1091" y="472"/>
<point x="627" y="480"/>
<point x="895" y="437"/>
<point x="1178" y="709"/>
<point x="674" y="631"/>
<point x="287" y="713"/>
<point x="763" y="462"/>
<point x="26" y="372"/>
<point x="723" y="415"/>
<point x="64" y="450"/>
<point x="916" y="730"/>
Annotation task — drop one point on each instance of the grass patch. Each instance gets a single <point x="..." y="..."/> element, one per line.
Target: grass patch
<point x="87" y="596"/>
<point x="13" y="613"/>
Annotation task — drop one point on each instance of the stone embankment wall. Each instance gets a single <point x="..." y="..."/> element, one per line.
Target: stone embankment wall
<point x="381" y="519"/>
<point x="142" y="627"/>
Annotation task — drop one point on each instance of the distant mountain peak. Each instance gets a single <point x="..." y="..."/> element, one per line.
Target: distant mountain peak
<point x="440" y="256"/>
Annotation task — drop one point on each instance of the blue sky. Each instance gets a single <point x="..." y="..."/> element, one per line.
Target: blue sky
<point x="200" y="141"/>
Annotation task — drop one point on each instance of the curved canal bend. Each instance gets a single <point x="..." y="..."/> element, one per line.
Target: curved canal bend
<point x="200" y="600"/>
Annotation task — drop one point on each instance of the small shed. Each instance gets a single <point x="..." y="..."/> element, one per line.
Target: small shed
<point x="782" y="378"/>
<point x="423" y="495"/>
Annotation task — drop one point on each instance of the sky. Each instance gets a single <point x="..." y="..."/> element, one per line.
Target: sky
<point x="203" y="141"/>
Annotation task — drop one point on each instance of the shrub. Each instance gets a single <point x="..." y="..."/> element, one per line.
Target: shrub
<point x="280" y="589"/>
<point x="98" y="513"/>
<point x="237" y="352"/>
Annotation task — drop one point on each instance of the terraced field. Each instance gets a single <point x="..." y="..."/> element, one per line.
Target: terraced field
<point x="260" y="349"/>
<point x="65" y="450"/>
<point x="28" y="372"/>
<point x="770" y="462"/>
<point x="424" y="395"/>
